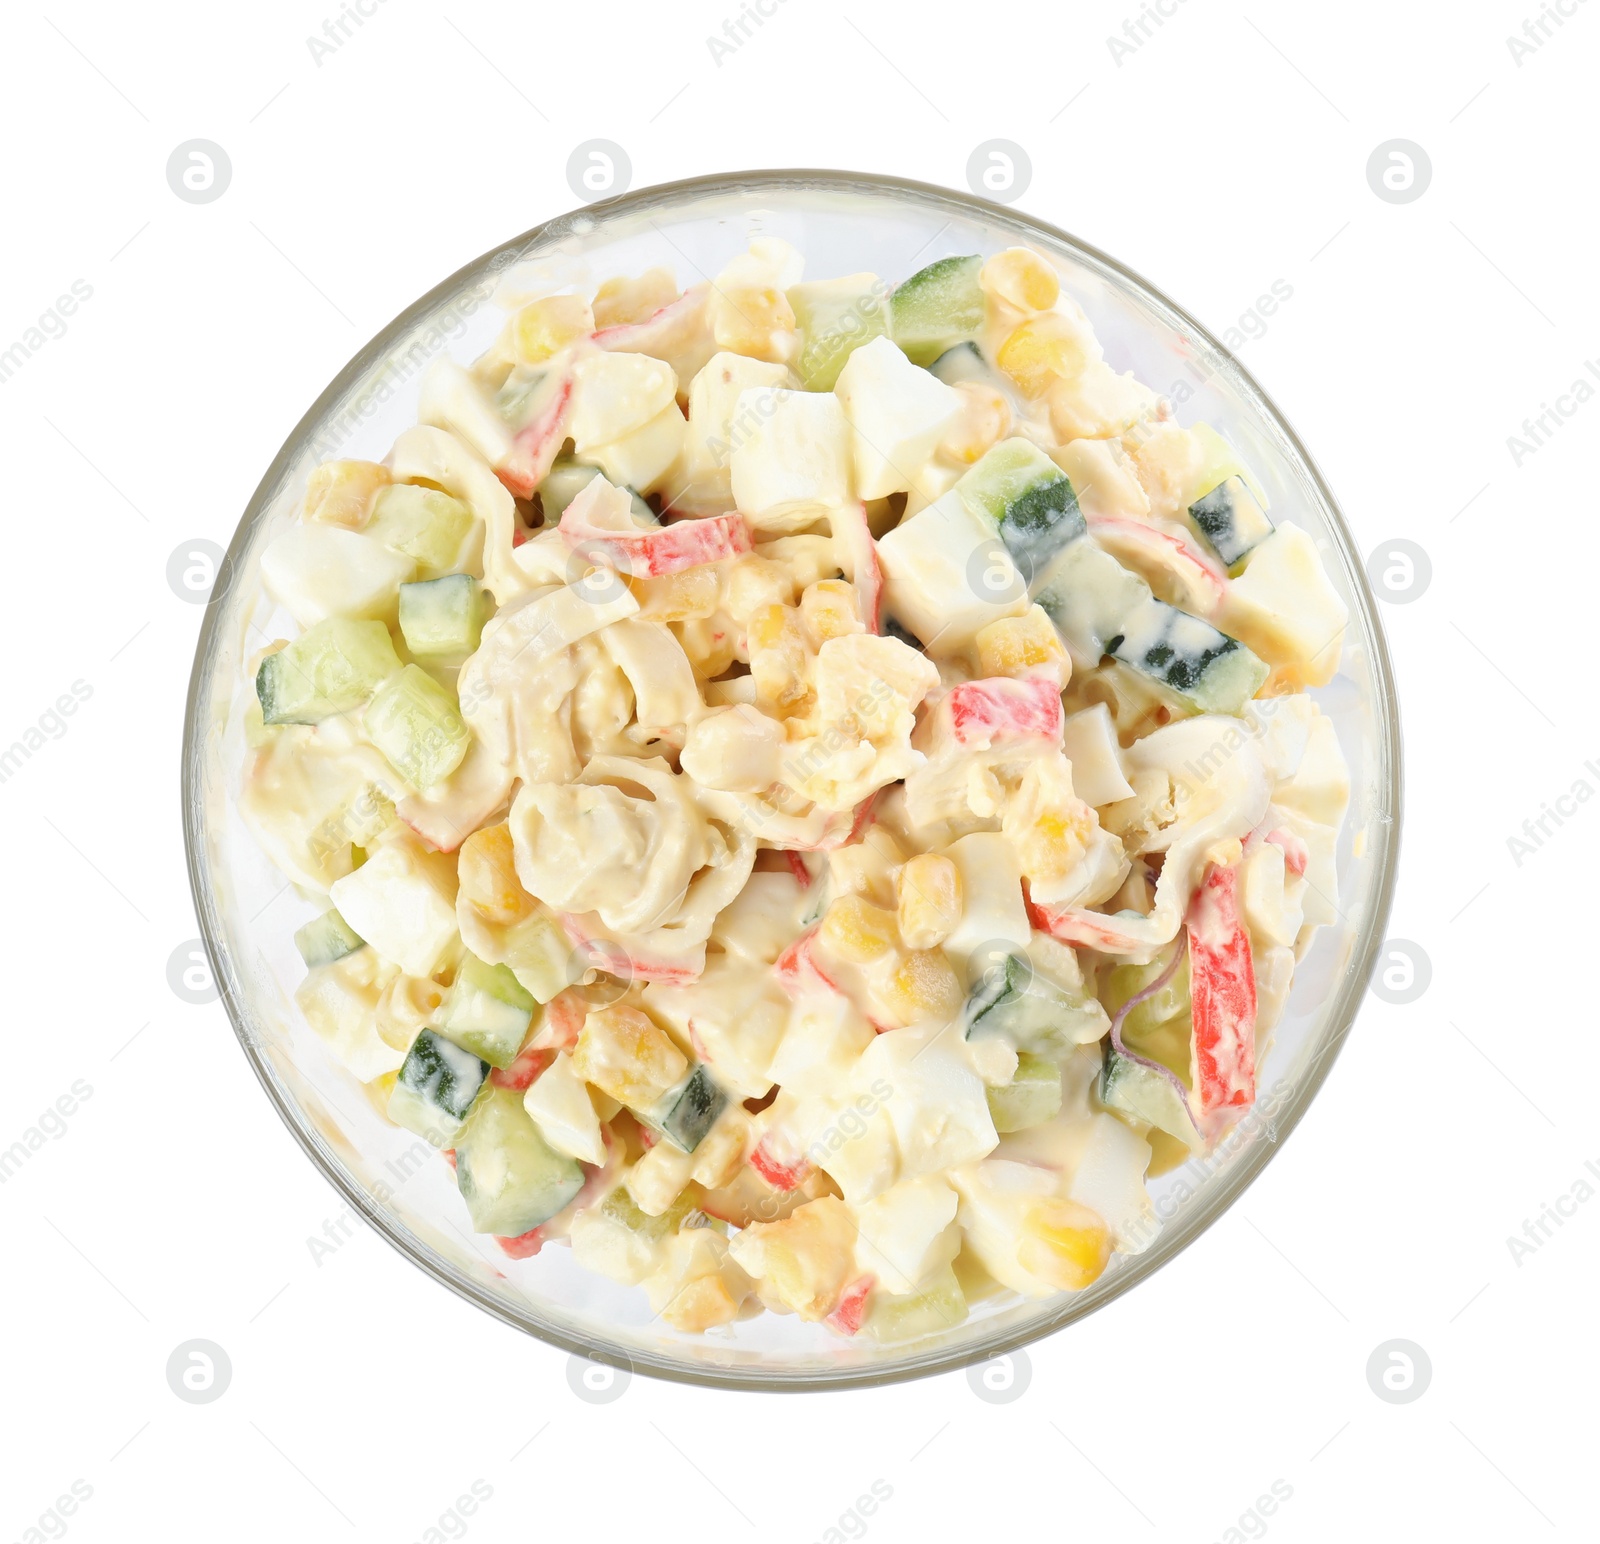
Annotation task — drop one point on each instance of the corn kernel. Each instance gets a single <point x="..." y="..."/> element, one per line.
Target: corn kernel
<point x="924" y="987"/>
<point x="701" y="1305"/>
<point x="984" y="420"/>
<point x="778" y="659"/>
<point x="1053" y="845"/>
<point x="829" y="610"/>
<point x="1016" y="644"/>
<point x="1043" y="350"/>
<point x="710" y="642"/>
<point x="627" y="1055"/>
<point x="691" y="593"/>
<point x="341" y="492"/>
<point x="930" y="900"/>
<point x="1021" y="279"/>
<point x="758" y="323"/>
<point x="754" y="582"/>
<point x="856" y="930"/>
<point x="622" y="301"/>
<point x="487" y="872"/>
<point x="1065" y="1244"/>
<point x="544" y="327"/>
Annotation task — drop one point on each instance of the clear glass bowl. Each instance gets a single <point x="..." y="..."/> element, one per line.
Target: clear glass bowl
<point x="842" y="223"/>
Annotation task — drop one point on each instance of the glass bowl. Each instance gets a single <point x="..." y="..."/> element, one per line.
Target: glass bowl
<point x="841" y="223"/>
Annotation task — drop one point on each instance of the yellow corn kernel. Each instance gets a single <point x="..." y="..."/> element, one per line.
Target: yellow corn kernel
<point x="544" y="327"/>
<point x="1053" y="845"/>
<point x="701" y="1305"/>
<point x="984" y="420"/>
<point x="690" y="593"/>
<point x="754" y="582"/>
<point x="710" y="642"/>
<point x="1064" y="1244"/>
<point x="829" y="610"/>
<point x="1015" y="644"/>
<point x="341" y="492"/>
<point x="487" y="871"/>
<point x="1021" y="279"/>
<point x="930" y="900"/>
<point x="625" y="300"/>
<point x="778" y="658"/>
<point x="758" y="323"/>
<point x="627" y="1055"/>
<point x="379" y="1090"/>
<point x="1043" y="350"/>
<point x="924" y="987"/>
<point x="856" y="930"/>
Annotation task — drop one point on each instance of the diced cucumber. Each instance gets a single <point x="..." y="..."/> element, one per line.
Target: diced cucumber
<point x="327" y="938"/>
<point x="1028" y="498"/>
<point x="964" y="362"/>
<point x="695" y="1106"/>
<point x="509" y="1176"/>
<point x="1032" y="1097"/>
<point x="1013" y="999"/>
<point x="330" y="668"/>
<point x="487" y="1012"/>
<point x="619" y="1207"/>
<point x="423" y="524"/>
<point x="1088" y="594"/>
<point x="1141" y="1096"/>
<point x="936" y="308"/>
<point x="435" y="1089"/>
<point x="835" y="317"/>
<point x="540" y="955"/>
<point x="567" y="479"/>
<point x="415" y="722"/>
<point x="1231" y="520"/>
<point x="940" y="1305"/>
<point x="1218" y="674"/>
<point x="442" y="618"/>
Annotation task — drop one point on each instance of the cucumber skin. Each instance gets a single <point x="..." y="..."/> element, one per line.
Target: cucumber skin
<point x="441" y="618"/>
<point x="915" y="322"/>
<point x="534" y="1181"/>
<point x="327" y="938"/>
<point x="695" y="1110"/>
<point x="435" y="1087"/>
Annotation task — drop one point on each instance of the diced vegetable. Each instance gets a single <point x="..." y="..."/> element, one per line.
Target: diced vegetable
<point x="509" y="1176"/>
<point x="331" y="668"/>
<point x="1032" y="1097"/>
<point x="1089" y="595"/>
<point x="1140" y="1094"/>
<point x="442" y="618"/>
<point x="1028" y="498"/>
<point x="327" y="938"/>
<point x="1218" y="674"/>
<point x="487" y="1012"/>
<point x="937" y="307"/>
<point x="415" y="722"/>
<point x="693" y="1109"/>
<point x="1013" y="999"/>
<point x="437" y="1085"/>
<point x="427" y="526"/>
<point x="834" y="318"/>
<point x="1231" y="520"/>
<point x="940" y="1305"/>
<point x="964" y="362"/>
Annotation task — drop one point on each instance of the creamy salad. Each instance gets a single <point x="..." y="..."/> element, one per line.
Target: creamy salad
<point x="812" y="785"/>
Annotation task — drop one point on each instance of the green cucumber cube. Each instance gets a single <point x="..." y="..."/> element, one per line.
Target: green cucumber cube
<point x="1231" y="520"/>
<point x="619" y="1207"/>
<point x="1088" y="594"/>
<point x="1034" y="1014"/>
<point x="964" y="362"/>
<point x="1142" y="1097"/>
<point x="422" y="524"/>
<point x="510" y="1177"/>
<point x="415" y="722"/>
<point x="1028" y="498"/>
<point x="567" y="479"/>
<point x="936" y="308"/>
<point x="695" y="1106"/>
<point x="1216" y="673"/>
<point x="541" y="957"/>
<point x="437" y="1085"/>
<point x="442" y="618"/>
<point x="327" y="938"/>
<point x="1032" y="1097"/>
<point x="330" y="668"/>
<point x="834" y="318"/>
<point x="940" y="1305"/>
<point x="487" y="1012"/>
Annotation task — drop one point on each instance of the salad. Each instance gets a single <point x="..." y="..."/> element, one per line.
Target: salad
<point x="811" y="785"/>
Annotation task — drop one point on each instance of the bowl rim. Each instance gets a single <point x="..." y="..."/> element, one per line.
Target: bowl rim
<point x="1223" y="1190"/>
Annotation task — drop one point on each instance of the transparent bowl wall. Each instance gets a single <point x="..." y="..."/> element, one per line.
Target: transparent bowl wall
<point x="842" y="224"/>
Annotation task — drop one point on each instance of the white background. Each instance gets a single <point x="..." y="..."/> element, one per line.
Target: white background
<point x="1226" y="152"/>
